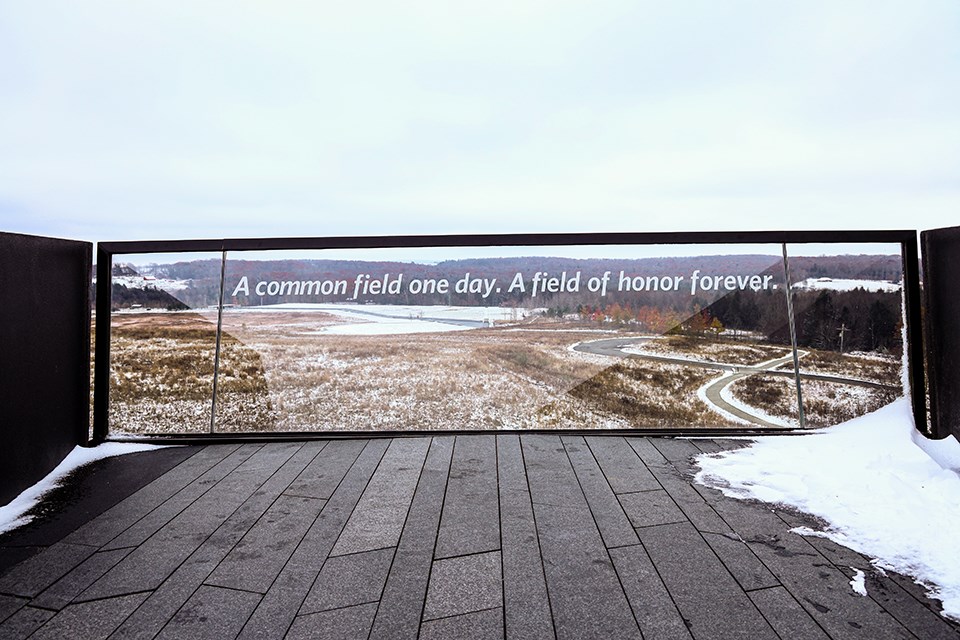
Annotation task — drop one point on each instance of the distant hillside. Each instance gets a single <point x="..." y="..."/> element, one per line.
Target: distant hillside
<point x="200" y="278"/>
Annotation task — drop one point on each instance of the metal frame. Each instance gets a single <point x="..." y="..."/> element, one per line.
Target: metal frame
<point x="106" y="250"/>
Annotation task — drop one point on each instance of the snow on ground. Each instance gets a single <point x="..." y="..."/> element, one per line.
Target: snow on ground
<point x="408" y="312"/>
<point x="385" y="327"/>
<point x="842" y="284"/>
<point x="880" y="494"/>
<point x="149" y="282"/>
<point x="389" y="319"/>
<point x="13" y="515"/>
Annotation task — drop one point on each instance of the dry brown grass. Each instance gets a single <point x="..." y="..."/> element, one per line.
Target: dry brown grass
<point x="824" y="403"/>
<point x="713" y="350"/>
<point x="278" y="372"/>
<point x="884" y="369"/>
<point x="654" y="395"/>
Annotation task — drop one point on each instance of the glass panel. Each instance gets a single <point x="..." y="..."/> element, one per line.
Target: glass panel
<point x="570" y="337"/>
<point x="848" y="307"/>
<point x="163" y="341"/>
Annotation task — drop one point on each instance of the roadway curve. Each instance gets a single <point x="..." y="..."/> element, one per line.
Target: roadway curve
<point x="614" y="348"/>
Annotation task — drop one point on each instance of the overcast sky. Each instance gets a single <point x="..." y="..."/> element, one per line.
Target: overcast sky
<point x="161" y="120"/>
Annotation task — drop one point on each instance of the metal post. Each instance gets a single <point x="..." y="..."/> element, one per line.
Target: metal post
<point x="793" y="336"/>
<point x="216" y="356"/>
<point x="914" y="346"/>
<point x="101" y="366"/>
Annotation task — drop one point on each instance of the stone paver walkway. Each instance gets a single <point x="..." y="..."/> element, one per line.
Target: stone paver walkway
<point x="475" y="536"/>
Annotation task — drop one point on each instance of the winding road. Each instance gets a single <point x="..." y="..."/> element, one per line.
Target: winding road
<point x="614" y="348"/>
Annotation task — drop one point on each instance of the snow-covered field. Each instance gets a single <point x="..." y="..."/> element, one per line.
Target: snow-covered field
<point x="874" y="482"/>
<point x="387" y="319"/>
<point x="844" y="284"/>
<point x="149" y="282"/>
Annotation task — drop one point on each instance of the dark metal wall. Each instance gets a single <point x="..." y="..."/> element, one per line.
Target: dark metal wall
<point x="941" y="289"/>
<point x="44" y="355"/>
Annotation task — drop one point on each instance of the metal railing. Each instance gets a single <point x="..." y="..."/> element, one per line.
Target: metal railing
<point x="107" y="251"/>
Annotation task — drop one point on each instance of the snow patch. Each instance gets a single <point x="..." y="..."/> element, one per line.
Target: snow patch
<point x="858" y="584"/>
<point x="879" y="493"/>
<point x="14" y="514"/>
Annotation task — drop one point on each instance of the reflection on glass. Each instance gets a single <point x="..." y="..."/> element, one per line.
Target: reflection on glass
<point x="849" y="329"/>
<point x="163" y="342"/>
<point x="532" y="338"/>
<point x="578" y="337"/>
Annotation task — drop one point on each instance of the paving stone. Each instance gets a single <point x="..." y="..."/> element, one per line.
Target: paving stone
<point x="917" y="591"/>
<point x="89" y="620"/>
<point x="594" y="592"/>
<point x="10" y="605"/>
<point x="401" y="606"/>
<point x="154" y="561"/>
<point x="38" y="572"/>
<point x="678" y="451"/>
<point x="694" y="506"/>
<point x="705" y="445"/>
<point x="814" y="582"/>
<point x="11" y="556"/>
<point x="915" y="616"/>
<point x="24" y="622"/>
<point x="211" y="612"/>
<point x="150" y="617"/>
<point x="704" y="592"/>
<point x="163" y="514"/>
<point x="471" y="514"/>
<point x="615" y="528"/>
<point x="787" y="617"/>
<point x="480" y="625"/>
<point x="71" y="585"/>
<point x="526" y="607"/>
<point x="585" y="594"/>
<point x="345" y="581"/>
<point x="740" y="560"/>
<point x="379" y="515"/>
<point x="652" y="605"/>
<point x="835" y="553"/>
<point x="257" y="559"/>
<point x="126" y="513"/>
<point x="648" y="453"/>
<point x="625" y="472"/>
<point x="464" y="584"/>
<point x="650" y="508"/>
<point x="321" y="477"/>
<point x="351" y="623"/>
<point x="279" y="606"/>
<point x="729" y="444"/>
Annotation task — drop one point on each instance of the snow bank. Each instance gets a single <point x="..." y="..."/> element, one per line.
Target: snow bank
<point x="13" y="515"/>
<point x="880" y="493"/>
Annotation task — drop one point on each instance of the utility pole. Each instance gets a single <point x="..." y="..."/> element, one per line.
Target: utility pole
<point x="843" y="330"/>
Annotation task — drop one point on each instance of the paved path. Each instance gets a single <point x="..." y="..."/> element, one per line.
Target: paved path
<point x="615" y="348"/>
<point x="474" y="536"/>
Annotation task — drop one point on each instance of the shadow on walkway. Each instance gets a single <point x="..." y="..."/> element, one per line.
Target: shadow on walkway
<point x="479" y="536"/>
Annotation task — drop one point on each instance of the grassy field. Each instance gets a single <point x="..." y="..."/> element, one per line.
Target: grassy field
<point x="279" y="371"/>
